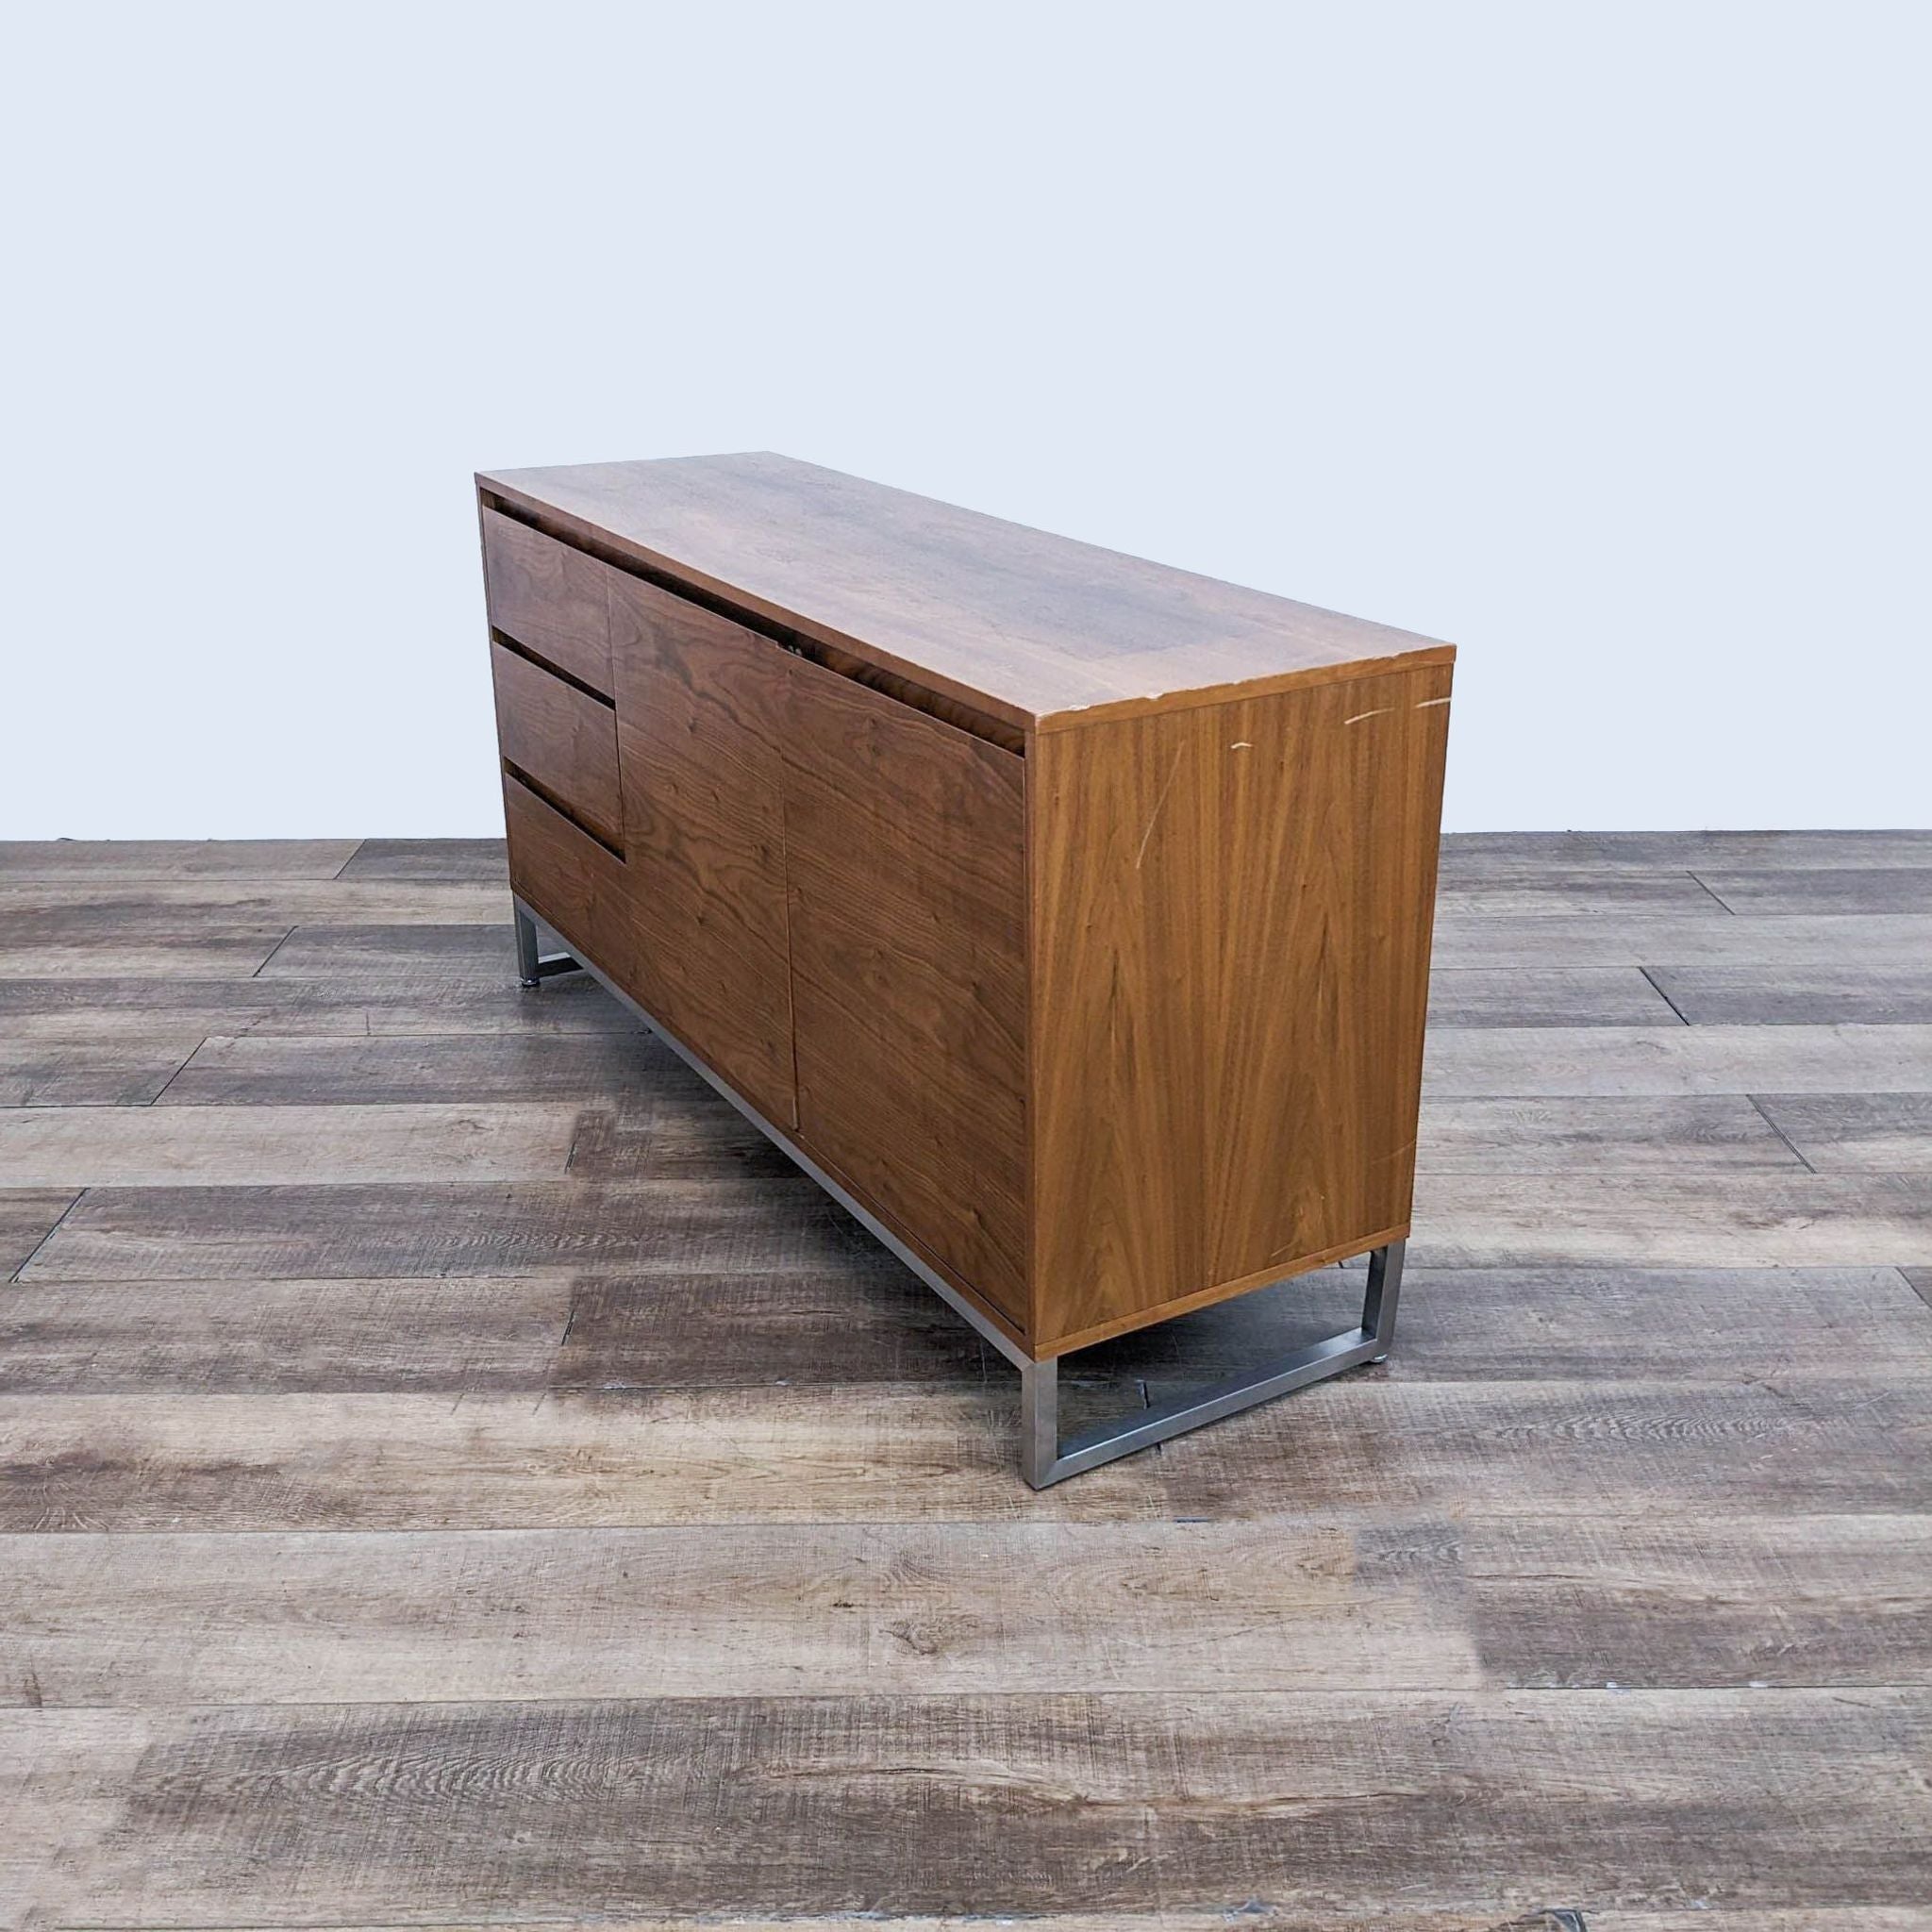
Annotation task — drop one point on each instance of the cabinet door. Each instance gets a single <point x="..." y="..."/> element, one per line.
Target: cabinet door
<point x="906" y="858"/>
<point x="698" y="700"/>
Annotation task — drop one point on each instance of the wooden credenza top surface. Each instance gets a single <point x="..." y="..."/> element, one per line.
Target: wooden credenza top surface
<point x="1037" y="630"/>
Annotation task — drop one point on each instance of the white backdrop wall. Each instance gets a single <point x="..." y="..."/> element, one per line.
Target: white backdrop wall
<point x="1591" y="337"/>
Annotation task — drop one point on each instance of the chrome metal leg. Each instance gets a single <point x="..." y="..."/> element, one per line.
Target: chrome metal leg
<point x="527" y="946"/>
<point x="1040" y="1422"/>
<point x="533" y="968"/>
<point x="1385" y="1292"/>
<point x="1044" y="1459"/>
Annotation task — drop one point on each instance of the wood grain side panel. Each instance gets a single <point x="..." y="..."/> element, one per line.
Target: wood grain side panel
<point x="907" y="863"/>
<point x="549" y="597"/>
<point x="698" y="705"/>
<point x="563" y="739"/>
<point x="1230" y="956"/>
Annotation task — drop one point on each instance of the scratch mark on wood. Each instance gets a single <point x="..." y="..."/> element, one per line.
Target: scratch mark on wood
<point x="1154" y="818"/>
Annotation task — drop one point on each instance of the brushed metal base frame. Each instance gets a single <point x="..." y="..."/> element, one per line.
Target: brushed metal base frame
<point x="1044" y="1459"/>
<point x="533" y="968"/>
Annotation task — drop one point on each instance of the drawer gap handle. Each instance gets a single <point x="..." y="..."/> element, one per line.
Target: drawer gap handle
<point x="537" y="788"/>
<point x="506" y="643"/>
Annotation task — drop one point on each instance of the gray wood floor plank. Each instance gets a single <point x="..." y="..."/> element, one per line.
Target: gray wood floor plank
<point x="1881" y="1133"/>
<point x="1581" y="1449"/>
<point x="270" y="1146"/>
<point x="27" y="1216"/>
<point x="63" y="1779"/>
<point x="139" y="1462"/>
<point x="1177" y="1921"/>
<point x="869" y="1320"/>
<point x="1800" y="996"/>
<point x="1495" y="890"/>
<point x="474" y="861"/>
<point x="184" y="951"/>
<point x="1205" y="1920"/>
<point x="1800" y="1918"/>
<point x="1920" y="1279"/>
<point x="1494" y="1062"/>
<point x="1606" y="940"/>
<point x="879" y="1324"/>
<point x="1721" y="1325"/>
<point x="500" y="1332"/>
<point x="533" y="1334"/>
<point x="819" y="1328"/>
<point x="842" y="1610"/>
<point x="1736" y="1602"/>
<point x="1598" y="1133"/>
<point x="127" y="1072"/>
<point x="1690" y="851"/>
<point x="775" y="1804"/>
<point x="672" y="1129"/>
<point x="637" y="1458"/>
<point x="263" y="1070"/>
<point x="102" y="860"/>
<point x="80" y="907"/>
<point x="825" y="1610"/>
<point x="762" y="1223"/>
<point x="1832" y="889"/>
<point x="1670" y="1221"/>
<point x="366" y="956"/>
<point x="425" y="1002"/>
<point x="213" y="1234"/>
<point x="1609" y="996"/>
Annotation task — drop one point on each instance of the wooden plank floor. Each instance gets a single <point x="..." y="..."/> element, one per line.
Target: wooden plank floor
<point x="452" y="1473"/>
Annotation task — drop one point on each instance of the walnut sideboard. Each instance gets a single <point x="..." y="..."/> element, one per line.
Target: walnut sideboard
<point x="1064" y="915"/>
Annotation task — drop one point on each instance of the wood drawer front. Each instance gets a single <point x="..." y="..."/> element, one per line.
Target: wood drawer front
<point x="549" y="597"/>
<point x="562" y="872"/>
<point x="564" y="741"/>
<point x="704" y="832"/>
<point x="906" y="855"/>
